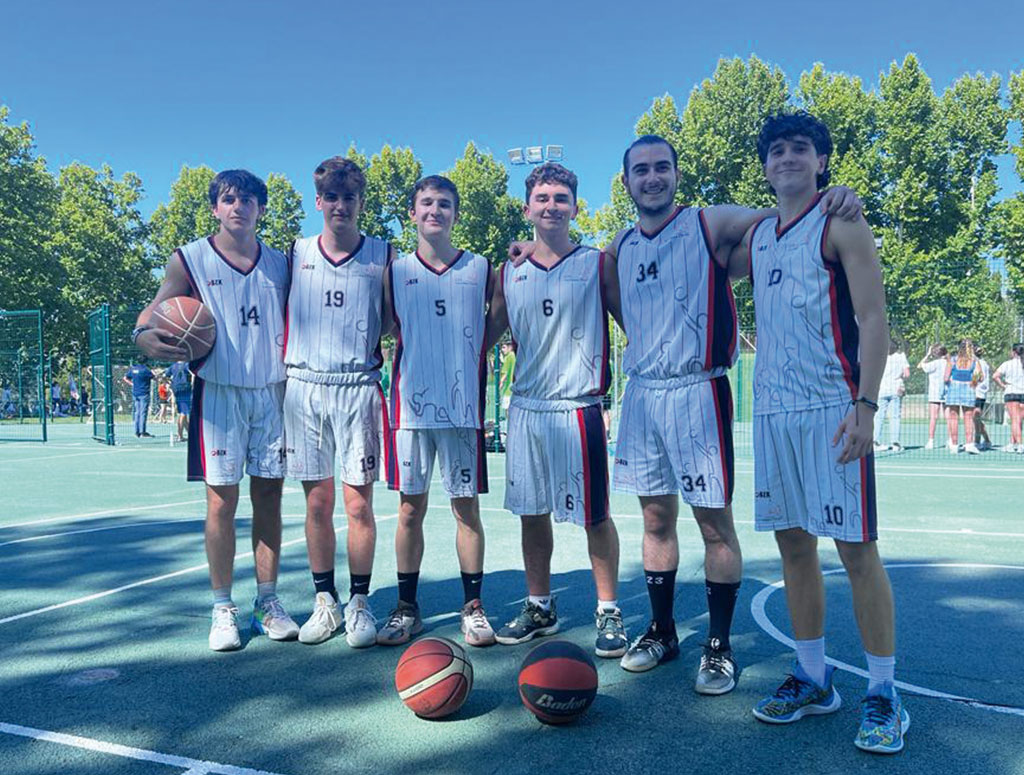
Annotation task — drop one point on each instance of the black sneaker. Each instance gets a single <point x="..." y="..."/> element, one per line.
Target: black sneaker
<point x="531" y="622"/>
<point x="651" y="649"/>
<point x="717" y="672"/>
<point x="611" y="633"/>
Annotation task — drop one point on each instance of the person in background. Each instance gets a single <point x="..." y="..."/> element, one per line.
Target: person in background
<point x="934" y="365"/>
<point x="181" y="386"/>
<point x="962" y="376"/>
<point x="163" y="393"/>
<point x="890" y="397"/>
<point x="140" y="378"/>
<point x="1010" y="377"/>
<point x="980" y="396"/>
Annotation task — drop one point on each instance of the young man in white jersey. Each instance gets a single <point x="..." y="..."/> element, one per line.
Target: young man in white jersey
<point x="822" y="340"/>
<point x="556" y="303"/>
<point x="439" y="298"/>
<point x="333" y="401"/>
<point x="236" y="422"/>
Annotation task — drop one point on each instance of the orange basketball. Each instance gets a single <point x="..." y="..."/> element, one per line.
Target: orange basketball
<point x="434" y="677"/>
<point x="189" y="321"/>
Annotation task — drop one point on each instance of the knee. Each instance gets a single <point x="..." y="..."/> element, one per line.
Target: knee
<point x="360" y="514"/>
<point x="859" y="560"/>
<point x="261" y="488"/>
<point x="716" y="528"/>
<point x="409" y="517"/>
<point x="797" y="549"/>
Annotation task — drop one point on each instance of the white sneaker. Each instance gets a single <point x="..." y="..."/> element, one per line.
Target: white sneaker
<point x="971" y="449"/>
<point x="930" y="444"/>
<point x="269" y="618"/>
<point x="360" y="624"/>
<point x="325" y="619"/>
<point x="954" y="449"/>
<point x="880" y="447"/>
<point x="224" y="629"/>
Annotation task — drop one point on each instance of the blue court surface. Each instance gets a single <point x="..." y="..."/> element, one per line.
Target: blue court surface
<point x="104" y="614"/>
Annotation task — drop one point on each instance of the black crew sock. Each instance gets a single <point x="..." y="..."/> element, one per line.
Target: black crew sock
<point x="661" y="588"/>
<point x="358" y="584"/>
<point x="407" y="583"/>
<point x="324" y="582"/>
<point x="472" y="583"/>
<point x="721" y="603"/>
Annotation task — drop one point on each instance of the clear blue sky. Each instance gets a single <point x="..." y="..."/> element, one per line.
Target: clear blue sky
<point x="149" y="87"/>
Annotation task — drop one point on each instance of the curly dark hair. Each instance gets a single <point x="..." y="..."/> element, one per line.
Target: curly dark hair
<point x="789" y="125"/>
<point x="551" y="173"/>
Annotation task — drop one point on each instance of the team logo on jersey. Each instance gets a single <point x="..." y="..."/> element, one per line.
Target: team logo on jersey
<point x="214" y="281"/>
<point x="621" y="461"/>
<point x="412" y="281"/>
<point x="218" y="453"/>
<point x="307" y="266"/>
<point x="761" y="248"/>
<point x="763" y="494"/>
<point x="519" y="278"/>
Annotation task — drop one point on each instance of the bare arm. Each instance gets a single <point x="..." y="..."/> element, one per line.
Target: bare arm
<point x="739" y="258"/>
<point x="155" y="343"/>
<point x="387" y="315"/>
<point x="610" y="287"/>
<point x="853" y="245"/>
<point x="497" y="314"/>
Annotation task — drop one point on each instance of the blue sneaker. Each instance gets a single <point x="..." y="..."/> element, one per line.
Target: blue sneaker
<point x="883" y="723"/>
<point x="799" y="696"/>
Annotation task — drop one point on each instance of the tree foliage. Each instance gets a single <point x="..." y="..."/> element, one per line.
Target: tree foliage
<point x="281" y="224"/>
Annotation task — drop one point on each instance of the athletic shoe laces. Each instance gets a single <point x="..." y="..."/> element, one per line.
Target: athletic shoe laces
<point x="274" y="608"/>
<point x="878" y="709"/>
<point x="363" y="617"/>
<point x="477" y="618"/>
<point x="224" y="617"/>
<point x="610" y="621"/>
<point x="792" y="687"/>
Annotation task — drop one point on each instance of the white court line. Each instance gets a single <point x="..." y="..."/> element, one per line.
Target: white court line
<point x="192" y="766"/>
<point x="153" y="580"/>
<point x="122" y="509"/>
<point x="757" y="608"/>
<point x="30" y="459"/>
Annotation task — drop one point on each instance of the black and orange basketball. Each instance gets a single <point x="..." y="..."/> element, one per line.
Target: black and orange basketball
<point x="557" y="681"/>
<point x="189" y="321"/>
<point x="434" y="677"/>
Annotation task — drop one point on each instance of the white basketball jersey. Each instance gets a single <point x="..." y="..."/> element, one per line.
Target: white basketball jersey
<point x="559" y="324"/>
<point x="333" y="318"/>
<point x="677" y="302"/>
<point x="248" y="308"/>
<point x="439" y="376"/>
<point x="807" y="336"/>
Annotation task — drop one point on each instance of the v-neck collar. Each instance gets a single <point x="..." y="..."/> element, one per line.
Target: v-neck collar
<point x="346" y="259"/>
<point x="558" y="263"/>
<point x="434" y="269"/>
<point x="665" y="223"/>
<point x="780" y="230"/>
<point x="227" y="260"/>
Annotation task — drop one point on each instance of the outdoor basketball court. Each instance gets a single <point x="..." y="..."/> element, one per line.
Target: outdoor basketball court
<point x="104" y="614"/>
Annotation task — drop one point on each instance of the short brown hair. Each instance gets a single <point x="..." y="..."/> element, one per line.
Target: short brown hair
<point x="438" y="182"/>
<point x="550" y="172"/>
<point x="339" y="174"/>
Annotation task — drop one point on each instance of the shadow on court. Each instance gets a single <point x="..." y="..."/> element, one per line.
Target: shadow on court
<point x="134" y="669"/>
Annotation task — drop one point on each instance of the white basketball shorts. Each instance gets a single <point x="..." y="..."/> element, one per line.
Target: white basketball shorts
<point x="235" y="431"/>
<point x="677" y="439"/>
<point x="557" y="463"/>
<point x="321" y="420"/>
<point x="798" y="483"/>
<point x="460" y="454"/>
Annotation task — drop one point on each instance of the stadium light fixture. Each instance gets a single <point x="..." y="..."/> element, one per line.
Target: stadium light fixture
<point x="515" y="156"/>
<point x="534" y="154"/>
<point x="554" y="152"/>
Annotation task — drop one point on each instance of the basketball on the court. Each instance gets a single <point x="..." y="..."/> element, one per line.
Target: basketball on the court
<point x="434" y="677"/>
<point x="189" y="321"/>
<point x="557" y="681"/>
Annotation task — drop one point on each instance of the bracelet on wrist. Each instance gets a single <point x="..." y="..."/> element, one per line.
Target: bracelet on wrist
<point x="867" y="402"/>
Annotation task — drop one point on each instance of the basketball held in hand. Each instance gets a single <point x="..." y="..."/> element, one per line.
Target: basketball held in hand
<point x="189" y="322"/>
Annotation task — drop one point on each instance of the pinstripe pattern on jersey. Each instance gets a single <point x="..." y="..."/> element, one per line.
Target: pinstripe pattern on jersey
<point x="559" y="321"/>
<point x="245" y="353"/>
<point x="333" y="316"/>
<point x="807" y="335"/>
<point x="439" y="369"/>
<point x="677" y="302"/>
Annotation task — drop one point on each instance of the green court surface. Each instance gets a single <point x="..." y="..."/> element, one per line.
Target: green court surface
<point x="104" y="613"/>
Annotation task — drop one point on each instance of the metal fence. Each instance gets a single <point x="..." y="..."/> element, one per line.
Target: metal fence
<point x="23" y="393"/>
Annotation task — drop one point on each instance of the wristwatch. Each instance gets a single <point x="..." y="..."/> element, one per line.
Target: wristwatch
<point x="138" y="330"/>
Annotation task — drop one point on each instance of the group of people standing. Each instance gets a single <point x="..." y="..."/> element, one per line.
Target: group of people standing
<point x="292" y="387"/>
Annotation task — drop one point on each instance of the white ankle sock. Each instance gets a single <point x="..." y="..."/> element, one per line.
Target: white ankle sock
<point x="811" y="656"/>
<point x="544" y="601"/>
<point x="880" y="670"/>
<point x="607" y="605"/>
<point x="222" y="598"/>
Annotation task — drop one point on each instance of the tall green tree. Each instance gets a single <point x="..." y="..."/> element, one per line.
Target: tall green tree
<point x="281" y="224"/>
<point x="489" y="218"/>
<point x="391" y="174"/>
<point x="186" y="216"/>
<point x="30" y="277"/>
<point x="98" y="238"/>
<point x="1009" y="215"/>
